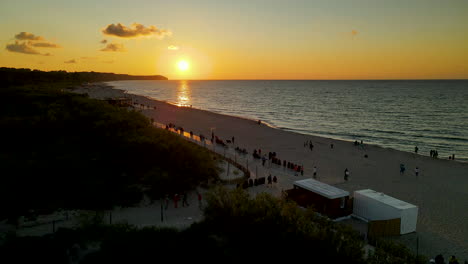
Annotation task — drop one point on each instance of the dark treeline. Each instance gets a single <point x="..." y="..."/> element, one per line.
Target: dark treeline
<point x="12" y="76"/>
<point x="63" y="150"/>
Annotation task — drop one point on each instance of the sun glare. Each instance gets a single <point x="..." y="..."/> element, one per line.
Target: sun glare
<point x="183" y="65"/>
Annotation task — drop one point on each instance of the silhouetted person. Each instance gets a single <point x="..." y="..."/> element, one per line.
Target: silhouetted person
<point x="453" y="260"/>
<point x="416" y="149"/>
<point x="439" y="259"/>
<point x="346" y="174"/>
<point x="184" y="200"/>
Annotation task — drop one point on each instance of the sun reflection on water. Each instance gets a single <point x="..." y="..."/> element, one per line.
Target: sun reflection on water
<point x="183" y="94"/>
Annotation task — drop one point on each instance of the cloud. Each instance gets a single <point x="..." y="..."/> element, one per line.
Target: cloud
<point x="354" y="32"/>
<point x="27" y="36"/>
<point x="134" y="31"/>
<point x="22" y="48"/>
<point x="172" y="47"/>
<point x="104" y="41"/>
<point x="43" y="44"/>
<point x="88" y="58"/>
<point x="114" y="47"/>
<point x="70" y="61"/>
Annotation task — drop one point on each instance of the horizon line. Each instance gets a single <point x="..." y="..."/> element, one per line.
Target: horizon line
<point x="466" y="79"/>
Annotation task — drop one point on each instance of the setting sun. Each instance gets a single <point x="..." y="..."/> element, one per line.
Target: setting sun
<point x="183" y="65"/>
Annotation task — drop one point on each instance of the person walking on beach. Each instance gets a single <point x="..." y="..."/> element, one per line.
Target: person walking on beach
<point x="315" y="172"/>
<point x="346" y="174"/>
<point x="416" y="149"/>
<point x="269" y="181"/>
<point x="184" y="200"/>
<point x="416" y="171"/>
<point x="453" y="260"/>
<point x="402" y="168"/>
<point x="275" y="180"/>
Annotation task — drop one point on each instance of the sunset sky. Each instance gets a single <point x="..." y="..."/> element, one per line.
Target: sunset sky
<point x="242" y="39"/>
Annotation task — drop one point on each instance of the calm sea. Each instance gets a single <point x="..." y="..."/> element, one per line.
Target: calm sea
<point x="395" y="114"/>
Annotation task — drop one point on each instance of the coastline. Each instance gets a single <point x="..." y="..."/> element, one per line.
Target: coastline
<point x="439" y="191"/>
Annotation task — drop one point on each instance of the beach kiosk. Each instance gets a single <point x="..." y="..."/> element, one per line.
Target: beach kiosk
<point x="325" y="199"/>
<point x="386" y="215"/>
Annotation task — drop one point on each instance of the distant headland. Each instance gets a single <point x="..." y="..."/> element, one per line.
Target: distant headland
<point x="14" y="75"/>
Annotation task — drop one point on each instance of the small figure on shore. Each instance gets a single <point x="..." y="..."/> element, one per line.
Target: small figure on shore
<point x="346" y="174"/>
<point x="439" y="259"/>
<point x="402" y="168"/>
<point x="184" y="200"/>
<point x="331" y="145"/>
<point x="233" y="140"/>
<point x="416" y="171"/>
<point x="453" y="260"/>
<point x="416" y="149"/>
<point x="191" y="134"/>
<point x="275" y="180"/>
<point x="259" y="122"/>
<point x="315" y="171"/>
<point x="453" y="156"/>
<point x="269" y="180"/>
<point x="263" y="160"/>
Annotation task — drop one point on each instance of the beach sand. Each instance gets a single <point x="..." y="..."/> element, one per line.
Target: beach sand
<point x="440" y="191"/>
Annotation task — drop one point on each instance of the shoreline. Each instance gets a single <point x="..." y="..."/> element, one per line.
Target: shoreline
<point x="286" y="129"/>
<point x="439" y="191"/>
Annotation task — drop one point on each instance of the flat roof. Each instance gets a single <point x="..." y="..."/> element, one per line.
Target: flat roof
<point x="381" y="197"/>
<point x="331" y="192"/>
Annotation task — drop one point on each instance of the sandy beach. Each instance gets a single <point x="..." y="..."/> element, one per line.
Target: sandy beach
<point x="440" y="190"/>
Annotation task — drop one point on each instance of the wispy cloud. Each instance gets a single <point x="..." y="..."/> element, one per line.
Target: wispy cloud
<point x="70" y="61"/>
<point x="104" y="41"/>
<point x="27" y="36"/>
<point x="43" y="44"/>
<point x="88" y="58"/>
<point x="114" y="47"/>
<point x="172" y="47"/>
<point x="22" y="48"/>
<point x="134" y="31"/>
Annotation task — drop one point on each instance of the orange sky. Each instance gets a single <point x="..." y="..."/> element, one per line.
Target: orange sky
<point x="298" y="39"/>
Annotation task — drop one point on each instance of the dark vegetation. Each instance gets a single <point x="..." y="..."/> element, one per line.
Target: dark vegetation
<point x="67" y="151"/>
<point x="236" y="229"/>
<point x="62" y="150"/>
<point x="12" y="76"/>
